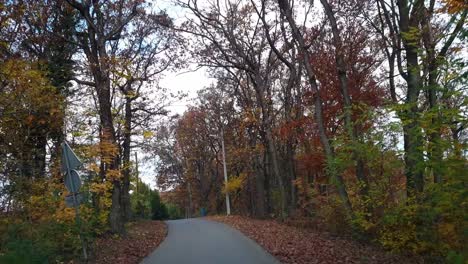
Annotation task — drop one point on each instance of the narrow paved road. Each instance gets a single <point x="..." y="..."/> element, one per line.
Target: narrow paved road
<point x="207" y="242"/>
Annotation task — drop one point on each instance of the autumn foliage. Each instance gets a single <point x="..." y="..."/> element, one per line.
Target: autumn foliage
<point x="347" y="116"/>
<point x="324" y="121"/>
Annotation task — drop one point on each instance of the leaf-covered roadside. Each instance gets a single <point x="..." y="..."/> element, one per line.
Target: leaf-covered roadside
<point x="143" y="238"/>
<point x="297" y="245"/>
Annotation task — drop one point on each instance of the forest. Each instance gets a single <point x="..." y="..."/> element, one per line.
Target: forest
<point x="349" y="116"/>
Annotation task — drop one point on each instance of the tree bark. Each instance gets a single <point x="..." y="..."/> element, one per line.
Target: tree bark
<point x="126" y="208"/>
<point x="413" y="140"/>
<point x="347" y="109"/>
<point x="116" y="217"/>
<point x="329" y="153"/>
<point x="260" y="89"/>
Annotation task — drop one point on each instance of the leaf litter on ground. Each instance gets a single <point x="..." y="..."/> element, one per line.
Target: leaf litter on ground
<point x="295" y="245"/>
<point x="143" y="237"/>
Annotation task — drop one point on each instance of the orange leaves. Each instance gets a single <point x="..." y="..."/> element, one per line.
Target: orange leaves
<point x="250" y="117"/>
<point x="93" y="167"/>
<point x="314" y="161"/>
<point x="289" y="129"/>
<point x="454" y="6"/>
<point x="143" y="237"/>
<point x="105" y="150"/>
<point x="113" y="175"/>
<point x="100" y="188"/>
<point x="299" y="245"/>
<point x="29" y="120"/>
<point x="108" y="151"/>
<point x="65" y="214"/>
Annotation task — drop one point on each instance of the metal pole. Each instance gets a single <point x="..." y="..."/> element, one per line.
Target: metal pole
<point x="228" y="204"/>
<point x="136" y="174"/>
<point x="75" y="204"/>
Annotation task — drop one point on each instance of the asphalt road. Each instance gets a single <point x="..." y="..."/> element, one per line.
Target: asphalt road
<point x="207" y="242"/>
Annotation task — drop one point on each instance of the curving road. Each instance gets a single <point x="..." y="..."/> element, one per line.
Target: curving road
<point x="207" y="242"/>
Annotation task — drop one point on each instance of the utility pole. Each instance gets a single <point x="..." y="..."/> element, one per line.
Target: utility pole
<point x="228" y="203"/>
<point x="136" y="174"/>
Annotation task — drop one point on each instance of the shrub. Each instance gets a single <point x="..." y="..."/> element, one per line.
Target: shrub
<point x="435" y="225"/>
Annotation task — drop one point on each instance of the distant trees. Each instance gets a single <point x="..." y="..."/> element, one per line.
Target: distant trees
<point x="146" y="203"/>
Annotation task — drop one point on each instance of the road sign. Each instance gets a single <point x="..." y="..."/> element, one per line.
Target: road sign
<point x="70" y="162"/>
<point x="72" y="181"/>
<point x="69" y="158"/>
<point x="70" y="202"/>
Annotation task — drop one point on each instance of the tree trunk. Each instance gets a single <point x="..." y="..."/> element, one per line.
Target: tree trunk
<point x="414" y="157"/>
<point x="190" y="201"/>
<point x="116" y="216"/>
<point x="343" y="78"/>
<point x="259" y="180"/>
<point x="126" y="208"/>
<point x="260" y="86"/>
<point x="267" y="182"/>
<point x="329" y="154"/>
<point x="289" y="165"/>
<point x="291" y="172"/>
<point x="276" y="172"/>
<point x="260" y="190"/>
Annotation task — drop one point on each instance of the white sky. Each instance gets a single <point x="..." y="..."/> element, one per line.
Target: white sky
<point x="184" y="80"/>
<point x="188" y="82"/>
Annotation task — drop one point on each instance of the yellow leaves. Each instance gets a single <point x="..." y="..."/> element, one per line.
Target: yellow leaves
<point x="94" y="167"/>
<point x="28" y="99"/>
<point x="251" y="117"/>
<point x="100" y="188"/>
<point x="39" y="207"/>
<point x="103" y="217"/>
<point x="148" y="134"/>
<point x="392" y="239"/>
<point x="449" y="232"/>
<point x="447" y="229"/>
<point x="412" y="36"/>
<point x="113" y="175"/>
<point x="105" y="150"/>
<point x="131" y="94"/>
<point x="108" y="151"/>
<point x="91" y="151"/>
<point x="65" y="214"/>
<point x="235" y="183"/>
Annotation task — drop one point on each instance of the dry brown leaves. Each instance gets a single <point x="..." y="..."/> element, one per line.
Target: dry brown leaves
<point x="296" y="245"/>
<point x="143" y="237"/>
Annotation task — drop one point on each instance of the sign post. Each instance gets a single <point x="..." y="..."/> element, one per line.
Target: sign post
<point x="70" y="162"/>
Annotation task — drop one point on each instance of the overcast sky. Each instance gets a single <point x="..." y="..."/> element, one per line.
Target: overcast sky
<point x="184" y="80"/>
<point x="180" y="81"/>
